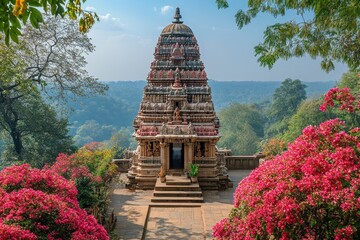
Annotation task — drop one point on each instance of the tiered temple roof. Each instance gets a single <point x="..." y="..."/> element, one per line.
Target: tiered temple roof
<point x="177" y="89"/>
<point x="176" y="124"/>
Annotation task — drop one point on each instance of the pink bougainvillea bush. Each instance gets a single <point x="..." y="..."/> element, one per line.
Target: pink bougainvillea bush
<point x="311" y="191"/>
<point x="341" y="98"/>
<point x="39" y="204"/>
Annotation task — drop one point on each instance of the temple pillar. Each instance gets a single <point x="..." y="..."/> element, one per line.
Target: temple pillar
<point x="188" y="154"/>
<point x="142" y="149"/>
<point x="212" y="149"/>
<point x="164" y="155"/>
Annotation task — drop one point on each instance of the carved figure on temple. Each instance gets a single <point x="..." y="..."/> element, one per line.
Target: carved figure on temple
<point x="149" y="150"/>
<point x="157" y="150"/>
<point x="177" y="114"/>
<point x="197" y="150"/>
<point x="171" y="74"/>
<point x="206" y="150"/>
<point x="191" y="128"/>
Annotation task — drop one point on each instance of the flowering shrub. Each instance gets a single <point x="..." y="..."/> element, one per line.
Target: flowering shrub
<point x="341" y="97"/>
<point x="311" y="191"/>
<point x="39" y="204"/>
<point x="23" y="176"/>
<point x="91" y="169"/>
<point x="97" y="158"/>
<point x="273" y="147"/>
<point x="15" y="232"/>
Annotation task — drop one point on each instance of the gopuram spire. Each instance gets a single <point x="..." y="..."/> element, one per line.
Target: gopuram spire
<point x="177" y="16"/>
<point x="177" y="124"/>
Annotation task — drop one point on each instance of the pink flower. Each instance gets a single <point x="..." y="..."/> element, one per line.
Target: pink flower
<point x="311" y="190"/>
<point x="42" y="204"/>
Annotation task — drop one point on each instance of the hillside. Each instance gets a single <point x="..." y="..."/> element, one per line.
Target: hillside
<point x="121" y="103"/>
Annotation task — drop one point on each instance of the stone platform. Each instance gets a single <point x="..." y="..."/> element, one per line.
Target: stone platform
<point x="139" y="218"/>
<point x="177" y="189"/>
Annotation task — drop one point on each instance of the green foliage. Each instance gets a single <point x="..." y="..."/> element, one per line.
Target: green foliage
<point x="50" y="58"/>
<point x="286" y="100"/>
<point x="350" y="80"/>
<point x="194" y="170"/>
<point x="43" y="135"/>
<point x="86" y="196"/>
<point x="97" y="158"/>
<point x="92" y="131"/>
<point x="327" y="29"/>
<point x="272" y="147"/>
<point x="242" y="128"/>
<point x="120" y="105"/>
<point x="120" y="142"/>
<point x="222" y="4"/>
<point x="277" y="129"/>
<point x="14" y="14"/>
<point x="307" y="114"/>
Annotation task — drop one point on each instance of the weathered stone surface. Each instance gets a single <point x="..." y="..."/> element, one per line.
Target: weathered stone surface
<point x="176" y="124"/>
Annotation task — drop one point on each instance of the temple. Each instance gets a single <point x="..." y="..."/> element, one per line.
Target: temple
<point x="176" y="124"/>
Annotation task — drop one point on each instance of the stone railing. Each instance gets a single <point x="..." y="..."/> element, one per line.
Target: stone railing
<point x="123" y="164"/>
<point x="242" y="162"/>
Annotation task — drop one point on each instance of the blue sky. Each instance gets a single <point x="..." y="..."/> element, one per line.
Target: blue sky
<point x="126" y="36"/>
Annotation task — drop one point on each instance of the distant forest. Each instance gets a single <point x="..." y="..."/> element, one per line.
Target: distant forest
<point x="101" y="116"/>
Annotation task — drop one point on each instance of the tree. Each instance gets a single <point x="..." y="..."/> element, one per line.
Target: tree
<point x="346" y="97"/>
<point x="350" y="80"/>
<point x="286" y="99"/>
<point x="92" y="131"/>
<point x="120" y="142"/>
<point x="327" y="29"/>
<point x="91" y="169"/>
<point x="307" y="114"/>
<point x="15" y="13"/>
<point x="42" y="135"/>
<point x="242" y="128"/>
<point x="311" y="191"/>
<point x="273" y="147"/>
<point x="50" y="58"/>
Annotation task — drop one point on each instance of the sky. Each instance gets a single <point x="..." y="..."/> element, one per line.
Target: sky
<point x="126" y="36"/>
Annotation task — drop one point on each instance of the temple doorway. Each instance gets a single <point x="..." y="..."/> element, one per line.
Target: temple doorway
<point x="176" y="156"/>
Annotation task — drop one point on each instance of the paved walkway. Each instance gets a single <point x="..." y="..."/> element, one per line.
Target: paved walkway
<point x="136" y="220"/>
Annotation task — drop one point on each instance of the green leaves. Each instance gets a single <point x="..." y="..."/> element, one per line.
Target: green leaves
<point x="14" y="14"/>
<point x="327" y="29"/>
<point x="222" y="4"/>
<point x="242" y="19"/>
<point x="35" y="17"/>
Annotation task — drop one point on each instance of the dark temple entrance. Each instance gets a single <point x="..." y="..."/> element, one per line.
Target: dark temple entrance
<point x="176" y="156"/>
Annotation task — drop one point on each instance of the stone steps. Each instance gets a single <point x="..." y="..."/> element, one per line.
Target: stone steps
<point x="177" y="193"/>
<point x="178" y="204"/>
<point x="177" y="199"/>
<point x="177" y="180"/>
<point x="176" y="190"/>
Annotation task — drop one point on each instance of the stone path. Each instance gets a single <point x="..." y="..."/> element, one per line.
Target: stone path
<point x="136" y="220"/>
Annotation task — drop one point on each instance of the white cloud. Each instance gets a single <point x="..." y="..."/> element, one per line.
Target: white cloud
<point x="160" y="28"/>
<point x="114" y="21"/>
<point x="105" y="17"/>
<point x="165" y="9"/>
<point x="89" y="8"/>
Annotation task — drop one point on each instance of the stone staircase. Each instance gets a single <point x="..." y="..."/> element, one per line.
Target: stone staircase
<point x="177" y="190"/>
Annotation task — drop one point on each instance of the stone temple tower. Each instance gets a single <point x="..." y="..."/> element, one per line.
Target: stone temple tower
<point x="176" y="124"/>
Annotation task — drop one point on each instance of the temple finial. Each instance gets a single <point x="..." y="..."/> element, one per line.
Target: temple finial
<point x="177" y="16"/>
